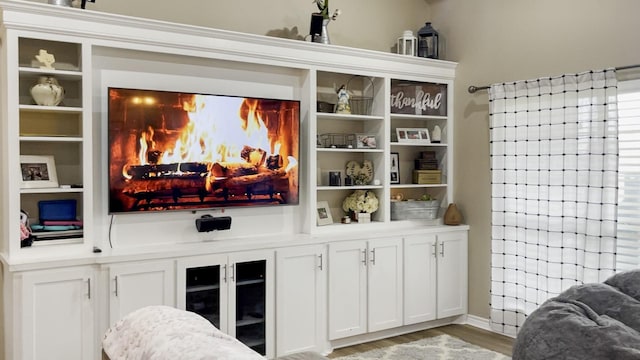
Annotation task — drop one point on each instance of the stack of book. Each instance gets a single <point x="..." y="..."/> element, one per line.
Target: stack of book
<point x="57" y="229"/>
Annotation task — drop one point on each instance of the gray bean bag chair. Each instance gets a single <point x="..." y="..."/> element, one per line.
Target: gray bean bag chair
<point x="591" y="321"/>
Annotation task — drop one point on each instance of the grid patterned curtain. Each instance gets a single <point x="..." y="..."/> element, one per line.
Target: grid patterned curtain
<point x="554" y="159"/>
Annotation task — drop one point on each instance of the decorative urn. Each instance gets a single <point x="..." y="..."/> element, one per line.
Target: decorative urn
<point x="47" y="91"/>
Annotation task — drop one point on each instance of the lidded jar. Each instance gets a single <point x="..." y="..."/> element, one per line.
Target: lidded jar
<point x="47" y="91"/>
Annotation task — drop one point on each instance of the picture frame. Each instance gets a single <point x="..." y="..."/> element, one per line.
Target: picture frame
<point x="38" y="171"/>
<point x="413" y="135"/>
<point x="323" y="213"/>
<point x="395" y="168"/>
<point x="366" y="141"/>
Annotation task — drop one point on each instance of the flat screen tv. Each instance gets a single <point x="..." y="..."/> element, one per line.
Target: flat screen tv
<point x="187" y="151"/>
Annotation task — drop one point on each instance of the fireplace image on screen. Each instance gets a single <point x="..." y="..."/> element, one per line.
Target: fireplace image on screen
<point x="179" y="151"/>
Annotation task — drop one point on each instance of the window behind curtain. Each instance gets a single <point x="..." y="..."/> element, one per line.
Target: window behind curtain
<point x="628" y="239"/>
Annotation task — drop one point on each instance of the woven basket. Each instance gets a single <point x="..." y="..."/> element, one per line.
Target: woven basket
<point x="361" y="105"/>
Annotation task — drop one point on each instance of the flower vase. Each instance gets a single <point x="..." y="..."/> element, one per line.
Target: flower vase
<point x="324" y="34"/>
<point x="47" y="91"/>
<point x="364" y="218"/>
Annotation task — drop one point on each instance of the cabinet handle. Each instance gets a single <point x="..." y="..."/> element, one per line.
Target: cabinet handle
<point x="435" y="246"/>
<point x="115" y="280"/>
<point x="89" y="288"/>
<point x="364" y="257"/>
<point x="232" y="270"/>
<point x="224" y="277"/>
<point x="373" y="256"/>
<point x="442" y="249"/>
<point x="320" y="256"/>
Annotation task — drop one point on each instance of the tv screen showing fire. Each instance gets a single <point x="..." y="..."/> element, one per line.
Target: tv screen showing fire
<point x="185" y="151"/>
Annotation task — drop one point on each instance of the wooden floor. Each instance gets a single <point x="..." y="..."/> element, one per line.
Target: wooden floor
<point x="473" y="335"/>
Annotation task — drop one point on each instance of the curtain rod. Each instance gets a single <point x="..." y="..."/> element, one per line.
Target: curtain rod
<point x="472" y="89"/>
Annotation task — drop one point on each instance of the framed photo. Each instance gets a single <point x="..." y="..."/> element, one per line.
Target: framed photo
<point x="38" y="171"/>
<point x="395" y="168"/>
<point x="323" y="213"/>
<point x="366" y="141"/>
<point x="413" y="135"/>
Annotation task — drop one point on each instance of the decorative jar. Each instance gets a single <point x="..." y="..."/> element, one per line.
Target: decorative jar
<point x="47" y="91"/>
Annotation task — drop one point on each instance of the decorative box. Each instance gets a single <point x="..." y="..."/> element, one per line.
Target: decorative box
<point x="50" y="210"/>
<point x="425" y="164"/>
<point x="427" y="176"/>
<point x="406" y="210"/>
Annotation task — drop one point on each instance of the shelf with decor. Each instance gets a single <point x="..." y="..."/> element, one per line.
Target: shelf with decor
<point x="51" y="139"/>
<point x="351" y="141"/>
<point x="419" y="151"/>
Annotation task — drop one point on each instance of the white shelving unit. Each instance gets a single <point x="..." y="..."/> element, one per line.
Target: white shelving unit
<point x="124" y="262"/>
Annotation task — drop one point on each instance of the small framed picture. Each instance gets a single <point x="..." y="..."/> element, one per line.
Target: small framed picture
<point x="395" y="168"/>
<point x="413" y="135"/>
<point x="323" y="213"/>
<point x="38" y="171"/>
<point x="366" y="141"/>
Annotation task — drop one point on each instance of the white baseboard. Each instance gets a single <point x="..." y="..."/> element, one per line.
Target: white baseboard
<point x="478" y="322"/>
<point x="482" y="323"/>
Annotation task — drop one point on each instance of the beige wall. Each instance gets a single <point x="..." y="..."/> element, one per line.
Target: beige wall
<point x="363" y="24"/>
<point x="493" y="41"/>
<point x="507" y="40"/>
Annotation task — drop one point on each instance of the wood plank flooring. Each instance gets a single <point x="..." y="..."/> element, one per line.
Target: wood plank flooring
<point x="470" y="334"/>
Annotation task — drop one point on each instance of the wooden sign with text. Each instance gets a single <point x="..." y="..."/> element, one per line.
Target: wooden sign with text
<point x="417" y="98"/>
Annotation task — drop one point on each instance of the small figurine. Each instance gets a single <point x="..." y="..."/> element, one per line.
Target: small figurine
<point x="436" y="134"/>
<point x="343" y="106"/>
<point x="46" y="59"/>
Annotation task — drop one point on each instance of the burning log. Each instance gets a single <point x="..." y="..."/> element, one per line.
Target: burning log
<point x="253" y="156"/>
<point x="229" y="170"/>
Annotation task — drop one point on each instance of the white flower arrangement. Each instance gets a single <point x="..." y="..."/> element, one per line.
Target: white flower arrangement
<point x="361" y="201"/>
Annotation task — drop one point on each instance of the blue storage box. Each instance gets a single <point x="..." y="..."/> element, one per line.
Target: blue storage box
<point x="64" y="210"/>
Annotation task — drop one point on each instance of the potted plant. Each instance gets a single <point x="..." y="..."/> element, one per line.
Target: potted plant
<point x="360" y="204"/>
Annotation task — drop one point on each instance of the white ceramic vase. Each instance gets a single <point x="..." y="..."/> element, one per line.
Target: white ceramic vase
<point x="47" y="91"/>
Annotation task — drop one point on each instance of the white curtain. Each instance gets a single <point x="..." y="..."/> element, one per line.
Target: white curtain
<point x="554" y="158"/>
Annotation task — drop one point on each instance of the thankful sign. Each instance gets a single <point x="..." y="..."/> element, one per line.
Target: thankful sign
<point x="419" y="98"/>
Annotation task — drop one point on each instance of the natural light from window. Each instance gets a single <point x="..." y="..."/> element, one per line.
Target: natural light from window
<point x="628" y="244"/>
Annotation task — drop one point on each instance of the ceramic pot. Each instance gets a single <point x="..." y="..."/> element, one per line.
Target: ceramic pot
<point x="364" y="218"/>
<point x="452" y="216"/>
<point x="47" y="91"/>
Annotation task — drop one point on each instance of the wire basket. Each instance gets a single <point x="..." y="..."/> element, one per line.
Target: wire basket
<point x="336" y="140"/>
<point x="361" y="105"/>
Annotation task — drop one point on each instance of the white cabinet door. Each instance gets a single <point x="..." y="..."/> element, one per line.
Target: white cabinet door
<point x="385" y="284"/>
<point x="452" y="274"/>
<point x="300" y="299"/>
<point x="57" y="314"/>
<point x="135" y="285"/>
<point x="347" y="289"/>
<point x="419" y="278"/>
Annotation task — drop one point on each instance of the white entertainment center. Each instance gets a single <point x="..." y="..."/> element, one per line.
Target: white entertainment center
<point x="318" y="287"/>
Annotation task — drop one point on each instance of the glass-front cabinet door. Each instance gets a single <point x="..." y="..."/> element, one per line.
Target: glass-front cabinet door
<point x="232" y="292"/>
<point x="250" y="302"/>
<point x="202" y="293"/>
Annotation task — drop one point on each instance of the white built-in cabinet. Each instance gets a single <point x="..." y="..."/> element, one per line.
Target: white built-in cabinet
<point x="365" y="286"/>
<point x="452" y="274"/>
<point x="133" y="286"/>
<point x="54" y="314"/>
<point x="301" y="288"/>
<point x="435" y="276"/>
<point x="278" y="280"/>
<point x="235" y="292"/>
